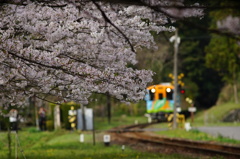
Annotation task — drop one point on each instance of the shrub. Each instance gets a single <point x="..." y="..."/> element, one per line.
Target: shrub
<point x="50" y="125"/>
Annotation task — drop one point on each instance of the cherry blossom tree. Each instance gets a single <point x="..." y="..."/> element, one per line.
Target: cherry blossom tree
<point x="71" y="49"/>
<point x="230" y="25"/>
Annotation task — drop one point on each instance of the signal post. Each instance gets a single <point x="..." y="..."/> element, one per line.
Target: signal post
<point x="176" y="41"/>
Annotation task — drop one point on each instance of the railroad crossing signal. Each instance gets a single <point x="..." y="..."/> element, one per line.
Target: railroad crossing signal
<point x="180" y="120"/>
<point x="180" y="83"/>
<point x="180" y="76"/>
<point x="189" y="100"/>
<point x="182" y="91"/>
<point x="191" y="109"/>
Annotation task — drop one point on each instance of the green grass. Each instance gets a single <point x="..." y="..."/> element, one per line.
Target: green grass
<point x="215" y="114"/>
<point x="197" y="136"/>
<point x="193" y="134"/>
<point x="65" y="144"/>
<point x="102" y="123"/>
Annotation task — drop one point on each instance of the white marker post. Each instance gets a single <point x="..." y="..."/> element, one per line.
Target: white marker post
<point x="192" y="109"/>
<point x="106" y="140"/>
<point x="187" y="126"/>
<point x="149" y="119"/>
<point x="82" y="138"/>
<point x="123" y="148"/>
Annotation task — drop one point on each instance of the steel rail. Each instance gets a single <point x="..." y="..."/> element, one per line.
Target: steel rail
<point x="131" y="134"/>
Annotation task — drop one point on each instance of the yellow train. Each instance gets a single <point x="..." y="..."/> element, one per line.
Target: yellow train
<point x="159" y="101"/>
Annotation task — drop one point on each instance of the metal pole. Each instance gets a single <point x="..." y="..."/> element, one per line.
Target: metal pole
<point x="94" y="139"/>
<point x="176" y="42"/>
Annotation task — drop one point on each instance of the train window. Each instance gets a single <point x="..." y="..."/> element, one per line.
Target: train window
<point x="160" y="96"/>
<point x="169" y="94"/>
<point x="151" y="95"/>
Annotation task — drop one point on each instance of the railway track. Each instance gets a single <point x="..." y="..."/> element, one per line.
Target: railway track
<point x="135" y="135"/>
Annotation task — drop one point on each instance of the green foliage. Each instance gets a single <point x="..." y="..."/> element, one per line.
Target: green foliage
<point x="192" y="89"/>
<point x="226" y="95"/>
<point x="222" y="55"/>
<point x="64" y="115"/>
<point x="132" y="109"/>
<point x="4" y="122"/>
<point x="50" y="125"/>
<point x="223" y="51"/>
<point x="199" y="80"/>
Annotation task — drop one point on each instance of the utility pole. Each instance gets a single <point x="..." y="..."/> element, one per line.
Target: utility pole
<point x="176" y="40"/>
<point x="109" y="108"/>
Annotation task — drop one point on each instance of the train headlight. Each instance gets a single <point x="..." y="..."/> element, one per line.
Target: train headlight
<point x="168" y="90"/>
<point x="153" y="90"/>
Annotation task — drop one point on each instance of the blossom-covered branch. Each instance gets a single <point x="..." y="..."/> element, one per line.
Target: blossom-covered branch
<point x="70" y="49"/>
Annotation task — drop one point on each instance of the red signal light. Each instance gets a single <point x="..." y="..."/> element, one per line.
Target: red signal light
<point x="182" y="91"/>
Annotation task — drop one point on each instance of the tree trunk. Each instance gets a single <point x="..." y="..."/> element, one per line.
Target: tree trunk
<point x="36" y="112"/>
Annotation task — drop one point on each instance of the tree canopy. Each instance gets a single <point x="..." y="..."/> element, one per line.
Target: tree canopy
<point x="73" y="48"/>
